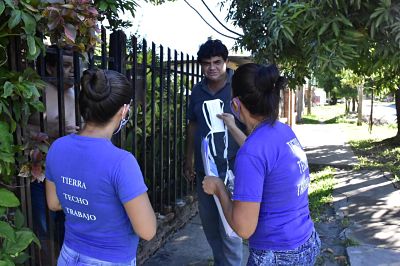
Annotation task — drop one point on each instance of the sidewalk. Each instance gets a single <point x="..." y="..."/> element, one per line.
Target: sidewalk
<point x="187" y="247"/>
<point x="366" y="201"/>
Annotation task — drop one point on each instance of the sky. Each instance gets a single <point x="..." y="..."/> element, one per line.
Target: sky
<point x="177" y="26"/>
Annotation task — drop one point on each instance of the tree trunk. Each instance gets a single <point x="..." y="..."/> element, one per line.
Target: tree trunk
<point x="309" y="98"/>
<point x="300" y="103"/>
<point x="371" y="118"/>
<point x="359" y="109"/>
<point x="353" y="100"/>
<point x="397" y="102"/>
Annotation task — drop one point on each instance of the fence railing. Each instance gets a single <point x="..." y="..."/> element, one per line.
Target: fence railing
<point x="161" y="80"/>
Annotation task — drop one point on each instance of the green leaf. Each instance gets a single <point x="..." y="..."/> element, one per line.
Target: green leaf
<point x="323" y="29"/>
<point x="6" y="231"/>
<point x="29" y="7"/>
<point x="8" y="199"/>
<point x="6" y="262"/>
<point x="2" y="6"/>
<point x="376" y="13"/>
<point x="103" y="6"/>
<point x="345" y="21"/>
<point x="30" y="23"/>
<point x="335" y="28"/>
<point x="38" y="105"/>
<point x="26" y="92"/>
<point x="31" y="44"/>
<point x="2" y="210"/>
<point x="10" y="3"/>
<point x="7" y="157"/>
<point x="17" y="110"/>
<point x="15" y="18"/>
<point x="22" y="241"/>
<point x="32" y="88"/>
<point x="354" y="34"/>
<point x="19" y="219"/>
<point x="21" y="258"/>
<point x="8" y="89"/>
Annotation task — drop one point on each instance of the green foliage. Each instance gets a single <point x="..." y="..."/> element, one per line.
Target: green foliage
<point x="320" y="191"/>
<point x="158" y="97"/>
<point x="19" y="97"/>
<point x="383" y="155"/>
<point x="322" y="36"/>
<point x="72" y="23"/>
<point x="20" y="18"/>
<point x="15" y="238"/>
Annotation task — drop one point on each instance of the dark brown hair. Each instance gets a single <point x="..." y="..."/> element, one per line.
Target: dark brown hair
<point x="212" y="48"/>
<point x="103" y="93"/>
<point x="258" y="88"/>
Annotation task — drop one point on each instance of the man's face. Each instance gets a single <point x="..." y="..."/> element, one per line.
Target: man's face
<point x="214" y="68"/>
<point x="68" y="67"/>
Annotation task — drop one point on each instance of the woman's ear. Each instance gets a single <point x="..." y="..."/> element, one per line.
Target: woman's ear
<point x="125" y="110"/>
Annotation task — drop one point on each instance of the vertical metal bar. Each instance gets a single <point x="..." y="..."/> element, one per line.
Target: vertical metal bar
<point x="181" y="93"/>
<point x="51" y="234"/>
<point x="175" y="124"/>
<point x="153" y="124"/>
<point x="91" y="58"/>
<point x="186" y="106"/>
<point x="198" y="72"/>
<point x="27" y="185"/>
<point x="144" y="107"/>
<point x="135" y="107"/>
<point x="169" y="127"/>
<point x="42" y="73"/>
<point x="60" y="94"/>
<point x="77" y="87"/>
<point x="193" y="74"/>
<point x="103" y="48"/>
<point x="161" y="124"/>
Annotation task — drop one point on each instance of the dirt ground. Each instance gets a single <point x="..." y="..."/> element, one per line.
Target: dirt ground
<point x="331" y="231"/>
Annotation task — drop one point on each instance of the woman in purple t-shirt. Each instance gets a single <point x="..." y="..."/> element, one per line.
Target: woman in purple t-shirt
<point x="99" y="186"/>
<point x="269" y="204"/>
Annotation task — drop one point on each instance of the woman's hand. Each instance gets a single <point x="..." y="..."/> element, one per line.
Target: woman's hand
<point x="228" y="119"/>
<point x="211" y="184"/>
<point x="71" y="129"/>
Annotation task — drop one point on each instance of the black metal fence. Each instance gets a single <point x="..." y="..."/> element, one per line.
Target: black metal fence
<point x="161" y="80"/>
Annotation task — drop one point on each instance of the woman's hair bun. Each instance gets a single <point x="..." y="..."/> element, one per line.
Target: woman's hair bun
<point x="281" y="83"/>
<point x="267" y="78"/>
<point x="95" y="84"/>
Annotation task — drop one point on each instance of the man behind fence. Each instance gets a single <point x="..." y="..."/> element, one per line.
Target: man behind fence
<point x="40" y="225"/>
<point x="213" y="91"/>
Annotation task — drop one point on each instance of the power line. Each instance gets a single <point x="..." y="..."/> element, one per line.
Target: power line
<point x="209" y="10"/>
<point x="209" y="23"/>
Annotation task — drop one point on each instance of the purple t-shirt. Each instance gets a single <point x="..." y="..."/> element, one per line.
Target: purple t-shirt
<point x="271" y="168"/>
<point x="94" y="179"/>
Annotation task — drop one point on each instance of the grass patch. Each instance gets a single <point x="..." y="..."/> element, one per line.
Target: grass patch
<point x="310" y="119"/>
<point x="350" y="242"/>
<point x="383" y="155"/>
<point x="320" y="191"/>
<point x="323" y="113"/>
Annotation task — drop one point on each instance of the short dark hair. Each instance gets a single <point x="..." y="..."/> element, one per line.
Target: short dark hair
<point x="103" y="93"/>
<point x="258" y="88"/>
<point x="51" y="57"/>
<point x="212" y="48"/>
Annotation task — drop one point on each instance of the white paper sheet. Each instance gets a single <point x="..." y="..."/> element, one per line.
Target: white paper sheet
<point x="210" y="169"/>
